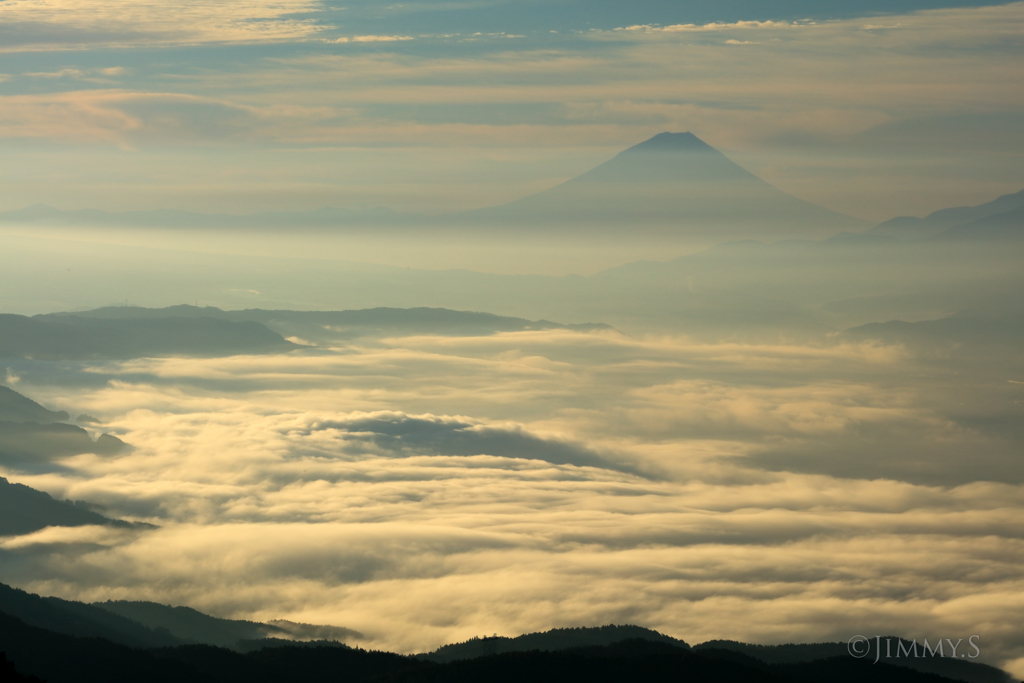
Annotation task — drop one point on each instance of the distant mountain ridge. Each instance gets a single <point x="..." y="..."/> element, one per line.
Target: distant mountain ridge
<point x="672" y="183"/>
<point x="960" y="221"/>
<point x="31" y="437"/>
<point x="332" y="326"/>
<point x="81" y="337"/>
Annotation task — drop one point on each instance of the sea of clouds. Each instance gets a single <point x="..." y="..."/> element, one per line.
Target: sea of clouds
<point x="423" y="490"/>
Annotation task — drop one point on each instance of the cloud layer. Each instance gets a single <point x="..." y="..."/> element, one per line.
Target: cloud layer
<point x="422" y="490"/>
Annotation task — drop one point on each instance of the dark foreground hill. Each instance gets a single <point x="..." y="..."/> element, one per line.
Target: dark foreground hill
<point x="149" y="624"/>
<point x="548" y="641"/>
<point x="60" y="658"/>
<point x="65" y="641"/>
<point x="811" y="653"/>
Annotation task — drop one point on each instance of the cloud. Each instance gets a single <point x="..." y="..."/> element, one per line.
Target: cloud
<point x="425" y="489"/>
<point x="34" y="25"/>
<point x="715" y="26"/>
<point x="372" y="39"/>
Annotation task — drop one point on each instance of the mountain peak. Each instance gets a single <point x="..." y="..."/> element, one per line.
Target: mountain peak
<point x="673" y="158"/>
<point x="673" y="142"/>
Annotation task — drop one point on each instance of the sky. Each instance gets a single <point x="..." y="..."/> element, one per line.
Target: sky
<point x="872" y="109"/>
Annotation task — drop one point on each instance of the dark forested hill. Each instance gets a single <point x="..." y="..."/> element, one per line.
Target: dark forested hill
<point x="61" y="658"/>
<point x="73" y="618"/>
<point x="548" y="641"/>
<point x="805" y="654"/>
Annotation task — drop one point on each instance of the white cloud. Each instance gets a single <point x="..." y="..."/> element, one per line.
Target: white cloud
<point x="372" y="39"/>
<point x="715" y="26"/>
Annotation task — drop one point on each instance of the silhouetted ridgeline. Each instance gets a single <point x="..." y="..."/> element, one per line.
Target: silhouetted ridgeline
<point x="63" y="641"/>
<point x="191" y="626"/>
<point x="77" y="337"/>
<point x="60" y="658"/>
<point x="72" y="618"/>
<point x="556" y="639"/>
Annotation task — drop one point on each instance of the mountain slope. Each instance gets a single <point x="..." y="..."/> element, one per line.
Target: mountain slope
<point x="78" y="619"/>
<point x="24" y="510"/>
<point x="17" y="408"/>
<point x="191" y="626"/>
<point x="911" y="227"/>
<point x="1000" y="226"/>
<point x="673" y="183"/>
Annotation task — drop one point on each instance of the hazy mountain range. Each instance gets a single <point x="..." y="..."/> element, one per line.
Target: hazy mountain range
<point x="1001" y="217"/>
<point x="671" y="183"/>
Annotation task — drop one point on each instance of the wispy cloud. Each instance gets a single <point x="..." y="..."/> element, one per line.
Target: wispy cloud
<point x="372" y="39"/>
<point x="715" y="26"/>
<point x="73" y="24"/>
